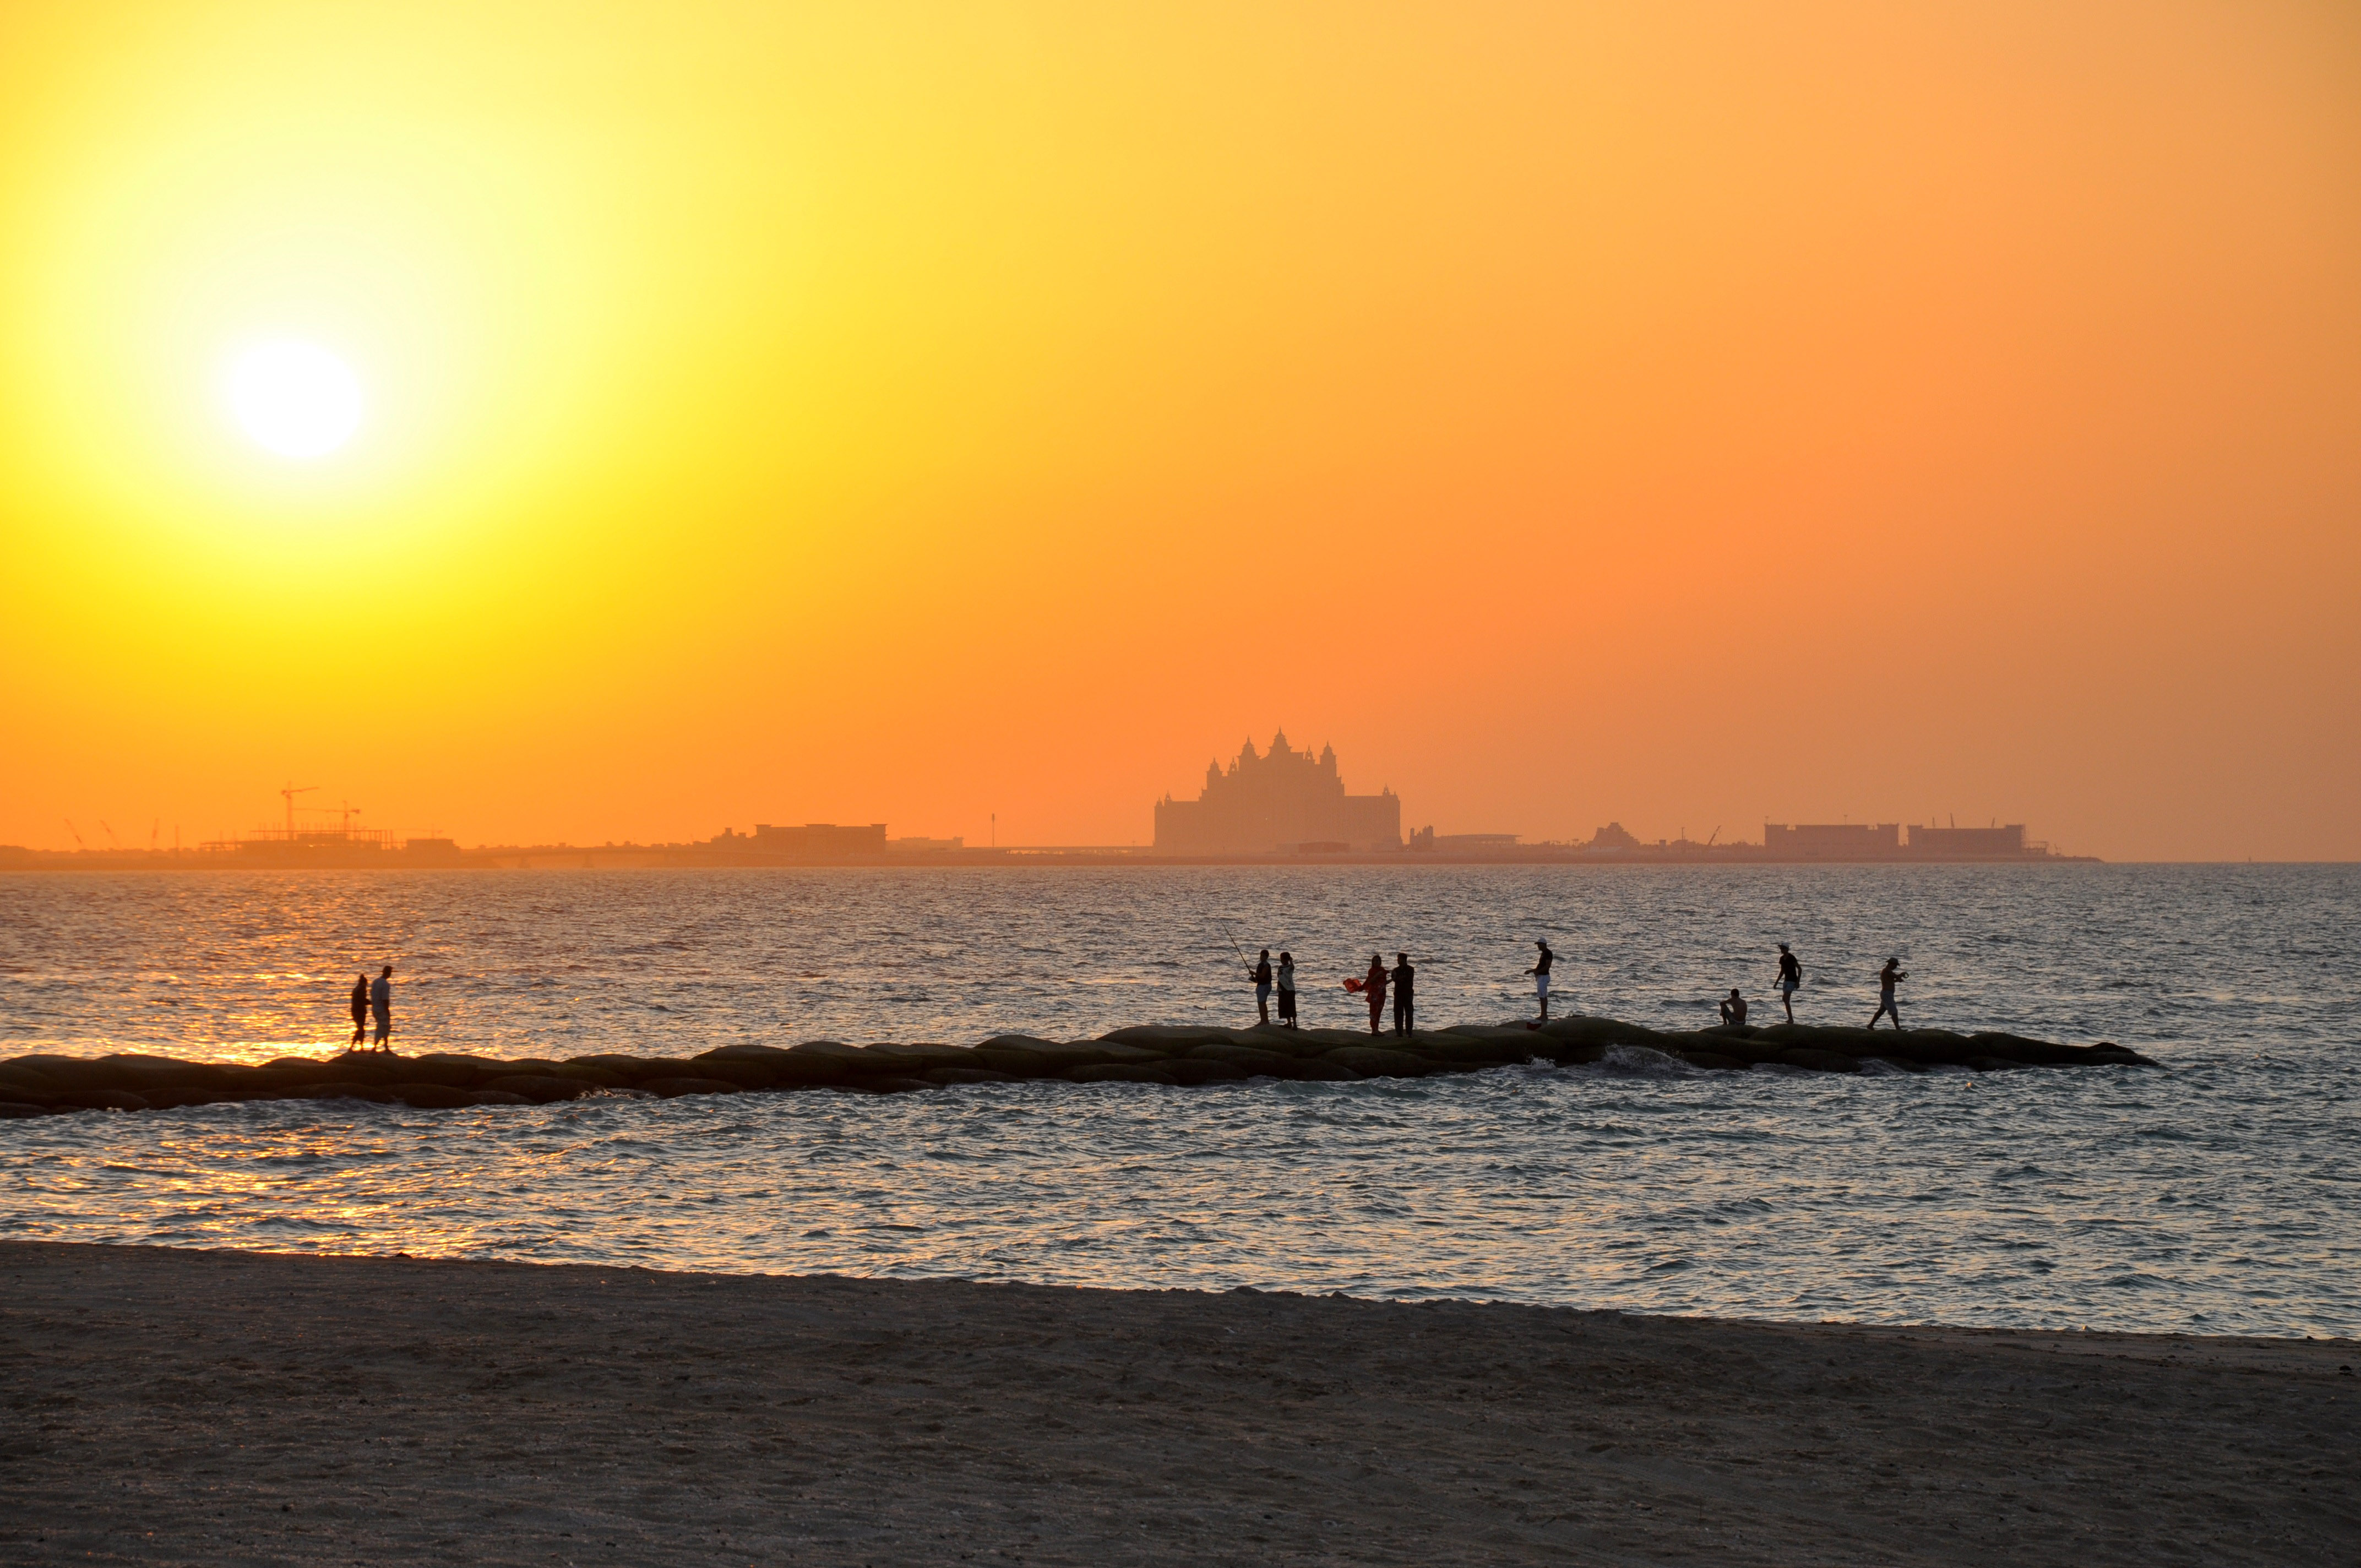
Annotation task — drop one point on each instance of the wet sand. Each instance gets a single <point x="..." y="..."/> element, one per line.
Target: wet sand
<point x="166" y="1405"/>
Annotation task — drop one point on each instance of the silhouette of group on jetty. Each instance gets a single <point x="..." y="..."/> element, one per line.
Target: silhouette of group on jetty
<point x="1401" y="981"/>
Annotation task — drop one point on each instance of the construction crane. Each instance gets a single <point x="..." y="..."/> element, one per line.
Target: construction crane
<point x="77" y="834"/>
<point x="290" y="793"/>
<point x="110" y="834"/>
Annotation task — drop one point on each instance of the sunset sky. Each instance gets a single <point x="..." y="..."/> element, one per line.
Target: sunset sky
<point x="1679" y="415"/>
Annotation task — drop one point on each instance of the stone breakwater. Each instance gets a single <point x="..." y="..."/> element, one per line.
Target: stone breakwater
<point x="1174" y="1055"/>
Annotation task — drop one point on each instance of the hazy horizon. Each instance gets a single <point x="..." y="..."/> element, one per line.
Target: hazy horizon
<point x="539" y="425"/>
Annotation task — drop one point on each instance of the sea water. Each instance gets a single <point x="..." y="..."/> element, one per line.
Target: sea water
<point x="2215" y="1195"/>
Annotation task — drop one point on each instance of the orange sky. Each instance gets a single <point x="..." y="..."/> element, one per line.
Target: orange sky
<point x="1687" y="415"/>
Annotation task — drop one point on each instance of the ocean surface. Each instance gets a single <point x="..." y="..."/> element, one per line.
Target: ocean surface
<point x="2219" y="1195"/>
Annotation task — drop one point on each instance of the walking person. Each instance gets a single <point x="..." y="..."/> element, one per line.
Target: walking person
<point x="360" y="1005"/>
<point x="1373" y="988"/>
<point x="381" y="1004"/>
<point x="1791" y="975"/>
<point x="1262" y="976"/>
<point x="1539" y="972"/>
<point x="1287" y="992"/>
<point x="1885" y="1008"/>
<point x="1404" y="978"/>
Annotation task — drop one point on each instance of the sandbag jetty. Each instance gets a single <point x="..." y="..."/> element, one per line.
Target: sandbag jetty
<point x="1177" y="1054"/>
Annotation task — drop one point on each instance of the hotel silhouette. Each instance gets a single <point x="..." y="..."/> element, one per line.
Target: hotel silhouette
<point x="1279" y="801"/>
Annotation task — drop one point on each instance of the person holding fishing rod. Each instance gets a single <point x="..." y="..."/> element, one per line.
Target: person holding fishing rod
<point x="1257" y="974"/>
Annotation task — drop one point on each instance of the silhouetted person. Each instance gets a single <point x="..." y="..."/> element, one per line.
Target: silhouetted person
<point x="1733" y="1007"/>
<point x="382" y="1003"/>
<point x="1287" y="990"/>
<point x="1885" y="1008"/>
<point x="1262" y="987"/>
<point x="1539" y="972"/>
<point x="360" y="1011"/>
<point x="1373" y="987"/>
<point x="1405" y="978"/>
<point x="1791" y="975"/>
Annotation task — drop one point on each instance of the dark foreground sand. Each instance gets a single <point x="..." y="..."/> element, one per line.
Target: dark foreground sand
<point x="162" y="1406"/>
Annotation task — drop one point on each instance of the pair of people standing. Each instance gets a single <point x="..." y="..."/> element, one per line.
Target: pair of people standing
<point x="1403" y="981"/>
<point x="373" y="1000"/>
<point x="1282" y="980"/>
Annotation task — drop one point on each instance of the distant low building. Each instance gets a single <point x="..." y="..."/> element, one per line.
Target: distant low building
<point x="1283" y="799"/>
<point x="1969" y="843"/>
<point x="821" y="841"/>
<point x="926" y="846"/>
<point x="1831" y="840"/>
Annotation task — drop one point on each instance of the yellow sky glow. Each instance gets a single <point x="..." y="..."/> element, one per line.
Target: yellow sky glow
<point x="1685" y="414"/>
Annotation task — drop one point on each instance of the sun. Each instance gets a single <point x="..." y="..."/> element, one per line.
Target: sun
<point x="295" y="399"/>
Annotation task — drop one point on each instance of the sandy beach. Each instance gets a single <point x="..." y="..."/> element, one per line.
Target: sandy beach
<point x="169" y="1405"/>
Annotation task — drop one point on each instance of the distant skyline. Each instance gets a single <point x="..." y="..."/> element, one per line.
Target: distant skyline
<point x="538" y="423"/>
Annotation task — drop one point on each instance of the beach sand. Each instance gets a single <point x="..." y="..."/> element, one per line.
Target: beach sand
<point x="169" y="1406"/>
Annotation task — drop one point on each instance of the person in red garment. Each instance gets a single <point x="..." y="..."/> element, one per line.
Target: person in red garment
<point x="1373" y="991"/>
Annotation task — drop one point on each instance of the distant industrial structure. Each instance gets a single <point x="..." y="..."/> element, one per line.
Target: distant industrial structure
<point x="1278" y="802"/>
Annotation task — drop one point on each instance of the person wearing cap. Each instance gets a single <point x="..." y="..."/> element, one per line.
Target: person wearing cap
<point x="1791" y="975"/>
<point x="1886" y="1005"/>
<point x="1539" y="972"/>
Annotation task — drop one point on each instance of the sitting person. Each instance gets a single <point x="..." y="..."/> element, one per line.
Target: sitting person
<point x="1733" y="1007"/>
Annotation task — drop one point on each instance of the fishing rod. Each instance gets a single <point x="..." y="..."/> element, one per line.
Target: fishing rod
<point x="1224" y="925"/>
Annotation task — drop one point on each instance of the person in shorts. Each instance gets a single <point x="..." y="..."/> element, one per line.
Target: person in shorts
<point x="1287" y="992"/>
<point x="1540" y="973"/>
<point x="1733" y="1007"/>
<point x="1791" y="975"/>
<point x="1886" y="1004"/>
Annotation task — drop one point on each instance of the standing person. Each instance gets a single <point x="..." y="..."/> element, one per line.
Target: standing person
<point x="1733" y="1007"/>
<point x="360" y="1004"/>
<point x="1791" y="975"/>
<point x="1885" y="1008"/>
<point x="1261" y="976"/>
<point x="382" y="1003"/>
<point x="1287" y="992"/>
<point x="1539" y="972"/>
<point x="1373" y="987"/>
<point x="1404" y="978"/>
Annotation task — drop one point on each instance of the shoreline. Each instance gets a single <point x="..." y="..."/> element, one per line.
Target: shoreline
<point x="185" y="1405"/>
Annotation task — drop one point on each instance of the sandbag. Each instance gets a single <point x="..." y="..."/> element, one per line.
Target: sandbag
<point x="1376" y="1061"/>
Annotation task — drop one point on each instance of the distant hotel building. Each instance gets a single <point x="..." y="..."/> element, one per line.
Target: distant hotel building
<point x="1282" y="800"/>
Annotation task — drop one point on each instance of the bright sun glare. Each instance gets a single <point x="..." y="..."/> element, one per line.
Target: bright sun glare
<point x="295" y="399"/>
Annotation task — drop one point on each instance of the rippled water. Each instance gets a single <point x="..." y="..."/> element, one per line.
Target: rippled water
<point x="2216" y="1195"/>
